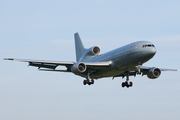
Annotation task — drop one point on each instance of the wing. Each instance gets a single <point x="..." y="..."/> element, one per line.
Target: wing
<point x="144" y="70"/>
<point x="51" y="65"/>
<point x="162" y="69"/>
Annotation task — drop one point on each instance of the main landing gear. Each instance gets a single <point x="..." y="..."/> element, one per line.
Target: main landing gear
<point x="88" y="80"/>
<point x="127" y="84"/>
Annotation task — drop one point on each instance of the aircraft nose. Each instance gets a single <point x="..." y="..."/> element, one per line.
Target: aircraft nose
<point x="151" y="52"/>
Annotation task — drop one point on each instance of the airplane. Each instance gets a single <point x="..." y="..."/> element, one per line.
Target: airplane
<point x="90" y="64"/>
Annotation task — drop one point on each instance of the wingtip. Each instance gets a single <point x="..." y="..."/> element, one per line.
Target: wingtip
<point x="8" y="59"/>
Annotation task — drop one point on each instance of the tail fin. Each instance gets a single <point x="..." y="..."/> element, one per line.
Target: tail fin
<point x="78" y="46"/>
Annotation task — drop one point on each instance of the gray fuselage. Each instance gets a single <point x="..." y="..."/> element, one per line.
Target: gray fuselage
<point x="122" y="59"/>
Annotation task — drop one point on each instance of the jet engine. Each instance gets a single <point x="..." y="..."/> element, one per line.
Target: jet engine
<point x="78" y="68"/>
<point x="154" y="73"/>
<point x="94" y="50"/>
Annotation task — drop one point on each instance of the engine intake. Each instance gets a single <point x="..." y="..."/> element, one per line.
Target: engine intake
<point x="154" y="73"/>
<point x="93" y="50"/>
<point x="78" y="68"/>
<point x="96" y="50"/>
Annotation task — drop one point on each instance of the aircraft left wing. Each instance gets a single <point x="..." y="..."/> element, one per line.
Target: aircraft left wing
<point x="144" y="70"/>
<point x="162" y="69"/>
<point x="45" y="64"/>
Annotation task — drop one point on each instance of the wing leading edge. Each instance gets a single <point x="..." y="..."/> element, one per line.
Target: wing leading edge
<point x="162" y="69"/>
<point x="51" y="65"/>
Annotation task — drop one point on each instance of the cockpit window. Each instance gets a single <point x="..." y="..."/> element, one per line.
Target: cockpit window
<point x="148" y="45"/>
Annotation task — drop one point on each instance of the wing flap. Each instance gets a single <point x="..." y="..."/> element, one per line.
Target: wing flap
<point x="97" y="65"/>
<point x="54" y="70"/>
<point x="43" y="65"/>
<point x="100" y="64"/>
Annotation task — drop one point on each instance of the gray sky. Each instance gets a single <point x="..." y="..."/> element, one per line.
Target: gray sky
<point x="44" y="30"/>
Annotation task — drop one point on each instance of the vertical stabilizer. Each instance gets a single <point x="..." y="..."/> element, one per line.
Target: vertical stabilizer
<point x="78" y="46"/>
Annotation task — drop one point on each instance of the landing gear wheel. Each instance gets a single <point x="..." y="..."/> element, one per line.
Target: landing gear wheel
<point x="127" y="84"/>
<point x="123" y="84"/>
<point x="92" y="81"/>
<point x="84" y="82"/>
<point x="131" y="84"/>
<point x="89" y="82"/>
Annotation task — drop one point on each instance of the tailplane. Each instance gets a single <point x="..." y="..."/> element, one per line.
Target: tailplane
<point x="78" y="46"/>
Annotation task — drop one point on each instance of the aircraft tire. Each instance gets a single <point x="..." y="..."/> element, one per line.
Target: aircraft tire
<point x="123" y="84"/>
<point x="84" y="82"/>
<point x="131" y="84"/>
<point x="127" y="84"/>
<point x="92" y="81"/>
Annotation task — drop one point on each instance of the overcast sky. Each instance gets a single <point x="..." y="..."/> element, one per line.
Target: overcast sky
<point x="44" y="30"/>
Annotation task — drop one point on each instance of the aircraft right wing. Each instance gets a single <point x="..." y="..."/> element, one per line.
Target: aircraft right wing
<point x="50" y="65"/>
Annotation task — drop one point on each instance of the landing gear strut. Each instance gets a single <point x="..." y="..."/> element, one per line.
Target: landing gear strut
<point x="139" y="70"/>
<point x="127" y="84"/>
<point x="88" y="80"/>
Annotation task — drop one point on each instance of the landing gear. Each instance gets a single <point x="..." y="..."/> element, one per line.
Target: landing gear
<point x="127" y="84"/>
<point x="139" y="70"/>
<point x="88" y="80"/>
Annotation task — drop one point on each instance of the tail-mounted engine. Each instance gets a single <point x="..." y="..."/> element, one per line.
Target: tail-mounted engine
<point x="78" y="68"/>
<point x="94" y="50"/>
<point x="154" y="73"/>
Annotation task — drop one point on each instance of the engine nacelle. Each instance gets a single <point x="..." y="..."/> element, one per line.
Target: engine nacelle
<point x="94" y="50"/>
<point x="78" y="68"/>
<point x="154" y="73"/>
